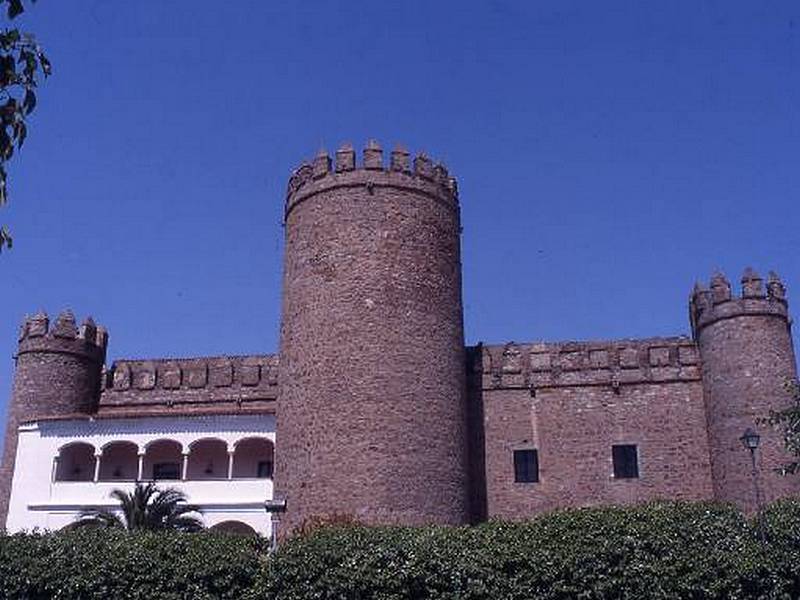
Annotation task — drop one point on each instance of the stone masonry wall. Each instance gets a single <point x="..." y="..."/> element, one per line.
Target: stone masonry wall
<point x="227" y="384"/>
<point x="748" y="368"/>
<point x="372" y="415"/>
<point x="572" y="402"/>
<point x="57" y="373"/>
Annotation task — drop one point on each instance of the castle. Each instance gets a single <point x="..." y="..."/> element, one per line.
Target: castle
<point x="375" y="408"/>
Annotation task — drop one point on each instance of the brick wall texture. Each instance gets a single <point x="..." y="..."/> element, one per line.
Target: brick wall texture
<point x="228" y="384"/>
<point x="572" y="402"/>
<point x="58" y="373"/>
<point x="573" y="429"/>
<point x="372" y="412"/>
<point x="748" y="358"/>
<point x="384" y="415"/>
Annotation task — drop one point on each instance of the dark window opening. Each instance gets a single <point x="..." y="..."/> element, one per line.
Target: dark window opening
<point x="626" y="461"/>
<point x="264" y="469"/>
<point x="166" y="470"/>
<point x="526" y="466"/>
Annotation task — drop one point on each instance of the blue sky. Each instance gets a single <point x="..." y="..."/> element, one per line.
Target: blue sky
<point x="608" y="155"/>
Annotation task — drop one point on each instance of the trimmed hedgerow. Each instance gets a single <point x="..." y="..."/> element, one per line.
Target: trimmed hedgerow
<point x="654" y="551"/>
<point x="106" y="563"/>
<point x="661" y="550"/>
<point x="779" y="527"/>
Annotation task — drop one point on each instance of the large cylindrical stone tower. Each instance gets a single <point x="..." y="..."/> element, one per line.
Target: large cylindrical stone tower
<point x="748" y="367"/>
<point x="371" y="409"/>
<point x="58" y="372"/>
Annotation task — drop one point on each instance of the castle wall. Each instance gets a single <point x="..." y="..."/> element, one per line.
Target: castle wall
<point x="58" y="371"/>
<point x="372" y="413"/>
<point x="224" y="384"/>
<point x="384" y="415"/>
<point x="572" y="402"/>
<point x="748" y="368"/>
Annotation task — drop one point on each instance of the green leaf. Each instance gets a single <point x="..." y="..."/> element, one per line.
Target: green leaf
<point x="5" y="144"/>
<point x="5" y="238"/>
<point x="47" y="68"/>
<point x="8" y="70"/>
<point x="15" y="8"/>
<point x="29" y="103"/>
<point x="21" y="132"/>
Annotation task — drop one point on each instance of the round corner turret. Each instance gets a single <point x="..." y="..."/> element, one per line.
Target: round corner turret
<point x="372" y="344"/>
<point x="58" y="373"/>
<point x="748" y="361"/>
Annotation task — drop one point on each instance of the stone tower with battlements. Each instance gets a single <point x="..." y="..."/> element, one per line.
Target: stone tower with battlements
<point x="748" y="366"/>
<point x="371" y="411"/>
<point x="58" y="372"/>
<point x="375" y="410"/>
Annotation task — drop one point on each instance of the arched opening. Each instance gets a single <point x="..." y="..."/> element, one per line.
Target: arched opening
<point x="234" y="528"/>
<point x="163" y="459"/>
<point x="253" y="457"/>
<point x="75" y="462"/>
<point x="208" y="459"/>
<point x="119" y="462"/>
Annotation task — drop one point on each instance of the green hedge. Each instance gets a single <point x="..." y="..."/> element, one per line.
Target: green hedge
<point x="653" y="551"/>
<point x="662" y="550"/>
<point x="100" y="563"/>
<point x="781" y="526"/>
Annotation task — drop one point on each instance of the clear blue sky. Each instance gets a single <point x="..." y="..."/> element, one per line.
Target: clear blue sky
<point x="608" y="155"/>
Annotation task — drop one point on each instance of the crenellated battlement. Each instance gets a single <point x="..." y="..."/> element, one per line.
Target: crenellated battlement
<point x="421" y="175"/>
<point x="191" y="383"/>
<point x="717" y="301"/>
<point x="372" y="310"/>
<point x="372" y="373"/>
<point x="746" y="350"/>
<point x="58" y="372"/>
<point x="566" y="364"/>
<point x="38" y="334"/>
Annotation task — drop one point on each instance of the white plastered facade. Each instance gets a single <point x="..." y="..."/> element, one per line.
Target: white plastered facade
<point x="38" y="500"/>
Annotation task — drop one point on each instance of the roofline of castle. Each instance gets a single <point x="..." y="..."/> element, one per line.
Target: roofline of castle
<point x="146" y="413"/>
<point x="676" y="339"/>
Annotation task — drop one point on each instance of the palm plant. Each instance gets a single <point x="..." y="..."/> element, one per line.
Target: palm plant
<point x="145" y="508"/>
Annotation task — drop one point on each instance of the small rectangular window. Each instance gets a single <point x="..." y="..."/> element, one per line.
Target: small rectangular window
<point x="526" y="466"/>
<point x="626" y="461"/>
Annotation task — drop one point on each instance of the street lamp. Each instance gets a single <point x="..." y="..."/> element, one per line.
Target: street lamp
<point x="275" y="507"/>
<point x="750" y="440"/>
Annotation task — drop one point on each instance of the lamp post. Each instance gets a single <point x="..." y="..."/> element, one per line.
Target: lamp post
<point x="275" y="507"/>
<point x="750" y="440"/>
